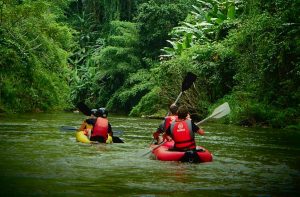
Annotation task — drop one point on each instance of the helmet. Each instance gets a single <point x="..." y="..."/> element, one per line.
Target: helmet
<point x="102" y="112"/>
<point x="93" y="112"/>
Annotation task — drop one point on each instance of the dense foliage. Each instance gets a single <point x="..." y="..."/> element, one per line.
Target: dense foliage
<point x="132" y="55"/>
<point x="34" y="50"/>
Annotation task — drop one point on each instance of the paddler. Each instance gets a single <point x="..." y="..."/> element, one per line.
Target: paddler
<point x="97" y="127"/>
<point x="87" y="124"/>
<point x="166" y="123"/>
<point x="182" y="131"/>
<point x="102" y="131"/>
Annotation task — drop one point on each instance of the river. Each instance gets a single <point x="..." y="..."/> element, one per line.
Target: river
<point x="38" y="159"/>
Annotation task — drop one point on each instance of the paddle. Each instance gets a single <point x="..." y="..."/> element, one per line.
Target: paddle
<point x="162" y="143"/>
<point x="187" y="82"/>
<point x="84" y="109"/>
<point x="219" y="112"/>
<point x="70" y="128"/>
<point x="117" y="139"/>
<point x="189" y="79"/>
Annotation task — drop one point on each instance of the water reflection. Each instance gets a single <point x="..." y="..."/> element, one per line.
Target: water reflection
<point x="37" y="159"/>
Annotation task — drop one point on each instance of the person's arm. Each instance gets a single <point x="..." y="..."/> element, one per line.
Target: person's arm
<point x="158" y="131"/>
<point x="82" y="126"/>
<point x="161" y="127"/>
<point x="197" y="129"/>
<point x="110" y="132"/>
<point x="91" y="121"/>
<point x="109" y="139"/>
<point x="167" y="134"/>
<point x="201" y="131"/>
<point x="156" y="134"/>
<point x="168" y="131"/>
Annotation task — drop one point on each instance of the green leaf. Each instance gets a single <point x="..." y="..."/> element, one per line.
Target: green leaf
<point x="231" y="12"/>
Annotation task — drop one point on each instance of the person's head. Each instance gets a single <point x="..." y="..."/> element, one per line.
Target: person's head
<point x="93" y="112"/>
<point x="182" y="112"/>
<point x="173" y="108"/>
<point x="102" y="112"/>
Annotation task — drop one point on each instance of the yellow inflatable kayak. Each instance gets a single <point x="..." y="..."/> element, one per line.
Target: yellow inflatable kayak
<point x="80" y="137"/>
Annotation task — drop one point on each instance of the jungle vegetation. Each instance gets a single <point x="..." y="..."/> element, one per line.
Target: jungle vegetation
<point x="132" y="55"/>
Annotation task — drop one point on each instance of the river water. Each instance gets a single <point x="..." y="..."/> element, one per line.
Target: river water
<point x="38" y="159"/>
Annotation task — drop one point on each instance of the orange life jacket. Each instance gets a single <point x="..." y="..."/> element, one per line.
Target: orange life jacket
<point x="88" y="128"/>
<point x="183" y="135"/>
<point x="101" y="128"/>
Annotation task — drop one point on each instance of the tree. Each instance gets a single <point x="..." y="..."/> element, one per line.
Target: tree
<point x="209" y="21"/>
<point x="114" y="63"/>
<point x="34" y="49"/>
<point x="156" y="20"/>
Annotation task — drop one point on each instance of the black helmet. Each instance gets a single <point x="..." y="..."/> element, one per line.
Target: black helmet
<point x="93" y="112"/>
<point x="102" y="112"/>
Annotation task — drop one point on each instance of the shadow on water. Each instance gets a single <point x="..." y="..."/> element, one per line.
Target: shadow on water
<point x="37" y="159"/>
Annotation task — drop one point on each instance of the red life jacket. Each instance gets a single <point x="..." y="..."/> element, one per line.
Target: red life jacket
<point x="169" y="120"/>
<point x="101" y="128"/>
<point x="183" y="135"/>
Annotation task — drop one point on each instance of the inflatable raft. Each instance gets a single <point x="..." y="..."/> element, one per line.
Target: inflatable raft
<point x="81" y="137"/>
<point x="165" y="153"/>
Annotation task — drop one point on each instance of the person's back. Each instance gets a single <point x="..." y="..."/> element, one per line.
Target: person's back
<point x="102" y="131"/>
<point x="166" y="123"/>
<point x="182" y="131"/>
<point x="183" y="135"/>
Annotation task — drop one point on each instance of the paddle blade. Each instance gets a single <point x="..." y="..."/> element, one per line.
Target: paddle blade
<point x="118" y="132"/>
<point x="117" y="140"/>
<point x="189" y="79"/>
<point x="68" y="128"/>
<point x="84" y="109"/>
<point x="221" y="111"/>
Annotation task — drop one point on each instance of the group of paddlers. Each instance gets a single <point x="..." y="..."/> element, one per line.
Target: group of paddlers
<point x="176" y="126"/>
<point x="179" y="127"/>
<point x="96" y="127"/>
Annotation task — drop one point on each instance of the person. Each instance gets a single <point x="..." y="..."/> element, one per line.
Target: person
<point x="97" y="127"/>
<point x="182" y="131"/>
<point x="172" y="116"/>
<point x="102" y="131"/>
<point x="87" y="124"/>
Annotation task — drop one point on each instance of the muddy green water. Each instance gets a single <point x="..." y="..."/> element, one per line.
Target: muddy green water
<point x="37" y="159"/>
